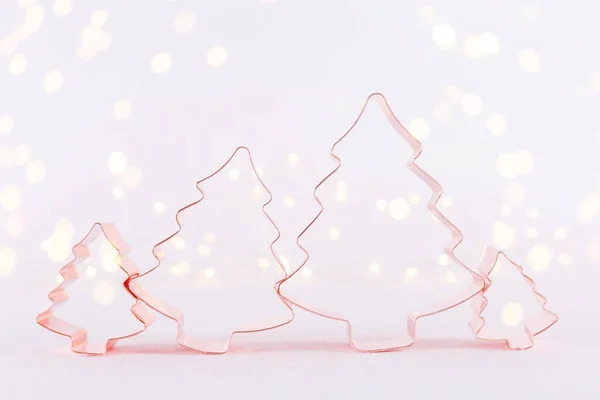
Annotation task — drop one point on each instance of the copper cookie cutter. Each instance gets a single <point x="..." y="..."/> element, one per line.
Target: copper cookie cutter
<point x="533" y="327"/>
<point x="81" y="251"/>
<point x="136" y="289"/>
<point x="477" y="284"/>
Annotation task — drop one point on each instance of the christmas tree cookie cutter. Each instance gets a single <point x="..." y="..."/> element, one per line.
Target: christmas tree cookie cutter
<point x="533" y="327"/>
<point x="136" y="288"/>
<point x="69" y="273"/>
<point x="477" y="282"/>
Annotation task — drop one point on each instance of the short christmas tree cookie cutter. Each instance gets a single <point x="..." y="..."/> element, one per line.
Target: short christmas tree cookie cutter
<point x="185" y="340"/>
<point x="533" y="327"/>
<point x="477" y="283"/>
<point x="78" y="334"/>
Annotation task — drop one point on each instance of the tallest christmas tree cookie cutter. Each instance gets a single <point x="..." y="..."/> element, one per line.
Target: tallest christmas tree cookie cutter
<point x="477" y="284"/>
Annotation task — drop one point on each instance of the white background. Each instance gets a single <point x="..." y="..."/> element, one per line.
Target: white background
<point x="295" y="76"/>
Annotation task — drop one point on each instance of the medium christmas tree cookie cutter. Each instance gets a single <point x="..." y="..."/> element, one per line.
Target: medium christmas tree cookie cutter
<point x="477" y="283"/>
<point x="78" y="334"/>
<point x="136" y="288"/>
<point x="533" y="327"/>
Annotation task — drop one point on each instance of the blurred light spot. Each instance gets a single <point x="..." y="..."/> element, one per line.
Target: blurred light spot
<point x="381" y="205"/>
<point x="293" y="158"/>
<point x="443" y="259"/>
<point x="109" y="262"/>
<point x="512" y="314"/>
<point x="289" y="201"/>
<point x="285" y="263"/>
<point x="131" y="177"/>
<point x="22" y="154"/>
<point x="257" y="191"/>
<point x="34" y="17"/>
<point x="18" y="64"/>
<point x="442" y="113"/>
<point x="334" y="233"/>
<point x="444" y="36"/>
<point x="504" y="235"/>
<point x="103" y="293"/>
<point x="233" y="174"/>
<point x="10" y="43"/>
<point x="560" y="233"/>
<point x="178" y="242"/>
<point x="6" y="124"/>
<point x="450" y="277"/>
<point x="62" y="8"/>
<point x="411" y="273"/>
<point x="565" y="259"/>
<point x="264" y="263"/>
<point x="481" y="45"/>
<point x="99" y="18"/>
<point x="341" y="191"/>
<point x="53" y="81"/>
<point x="35" y="172"/>
<point x="306" y="272"/>
<point x="399" y="209"/>
<point x="8" y="260"/>
<point x="209" y="273"/>
<point x="184" y="22"/>
<point x="116" y="162"/>
<point x="446" y="201"/>
<point x="505" y="210"/>
<point x="374" y="268"/>
<point x="122" y="109"/>
<point x="180" y="269"/>
<point x="161" y="63"/>
<point x="533" y="213"/>
<point x="209" y="237"/>
<point x="414" y="199"/>
<point x="510" y="165"/>
<point x="540" y="257"/>
<point x="118" y="192"/>
<point x="496" y="124"/>
<point x="91" y="271"/>
<point x="419" y="129"/>
<point x="531" y="233"/>
<point x="471" y="104"/>
<point x="427" y="14"/>
<point x="596" y="81"/>
<point x="14" y="225"/>
<point x="203" y="250"/>
<point x="586" y="211"/>
<point x="86" y="54"/>
<point x="59" y="279"/>
<point x="216" y="56"/>
<point x="529" y="61"/>
<point x="10" y="198"/>
<point x="530" y="14"/>
<point x="453" y="94"/>
<point x="159" y="207"/>
<point x="515" y="193"/>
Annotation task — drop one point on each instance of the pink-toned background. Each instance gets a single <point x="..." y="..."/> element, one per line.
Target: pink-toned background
<point x="111" y="111"/>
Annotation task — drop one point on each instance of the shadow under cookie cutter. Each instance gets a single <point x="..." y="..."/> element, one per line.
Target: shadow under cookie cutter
<point x="78" y="334"/>
<point x="533" y="327"/>
<point x="477" y="284"/>
<point x="137" y="290"/>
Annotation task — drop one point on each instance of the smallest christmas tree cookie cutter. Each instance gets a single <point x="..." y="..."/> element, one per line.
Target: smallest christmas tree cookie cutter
<point x="78" y="334"/>
<point x="533" y="327"/>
